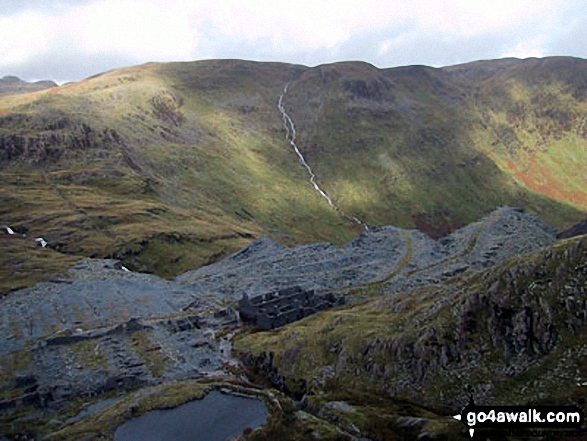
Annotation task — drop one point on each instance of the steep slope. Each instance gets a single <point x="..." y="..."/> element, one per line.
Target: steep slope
<point x="515" y="334"/>
<point x="173" y="166"/>
<point x="417" y="146"/>
<point x="535" y="125"/>
<point x="166" y="166"/>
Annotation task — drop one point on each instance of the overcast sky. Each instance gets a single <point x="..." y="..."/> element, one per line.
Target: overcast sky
<point x="67" y="40"/>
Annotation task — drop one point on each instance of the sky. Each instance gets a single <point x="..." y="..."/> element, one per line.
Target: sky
<point x="68" y="40"/>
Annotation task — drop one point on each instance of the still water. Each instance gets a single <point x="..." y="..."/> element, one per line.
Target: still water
<point x="216" y="417"/>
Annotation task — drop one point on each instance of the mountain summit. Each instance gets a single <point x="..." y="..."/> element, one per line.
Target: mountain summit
<point x="363" y="202"/>
<point x="172" y="166"/>
<point x="11" y="85"/>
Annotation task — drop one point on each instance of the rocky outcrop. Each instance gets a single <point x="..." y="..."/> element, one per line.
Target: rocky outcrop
<point x="53" y="139"/>
<point x="263" y="363"/>
<point x="369" y="90"/>
<point x="524" y="318"/>
<point x="527" y="312"/>
<point x="166" y="107"/>
<point x="576" y="230"/>
<point x="517" y="316"/>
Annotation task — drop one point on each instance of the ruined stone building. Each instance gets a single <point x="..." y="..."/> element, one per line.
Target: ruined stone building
<point x="276" y="309"/>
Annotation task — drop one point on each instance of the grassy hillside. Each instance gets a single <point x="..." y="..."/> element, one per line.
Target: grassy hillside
<point x="166" y="166"/>
<point x="173" y="166"/>
<point x="425" y="147"/>
<point x="515" y="333"/>
<point x="24" y="262"/>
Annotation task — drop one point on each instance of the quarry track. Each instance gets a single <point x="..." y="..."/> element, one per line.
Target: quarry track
<point x="102" y="329"/>
<point x="387" y="257"/>
<point x="470" y="247"/>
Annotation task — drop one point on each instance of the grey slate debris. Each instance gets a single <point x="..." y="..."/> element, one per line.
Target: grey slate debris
<point x="398" y="258"/>
<point x="104" y="329"/>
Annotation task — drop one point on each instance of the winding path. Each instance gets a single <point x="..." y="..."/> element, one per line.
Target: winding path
<point x="291" y="138"/>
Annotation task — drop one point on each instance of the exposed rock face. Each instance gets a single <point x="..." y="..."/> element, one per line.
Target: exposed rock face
<point x="166" y="107"/>
<point x="368" y="90"/>
<point x="516" y="316"/>
<point x="575" y="230"/>
<point x="523" y="319"/>
<point x="52" y="140"/>
<point x="264" y="363"/>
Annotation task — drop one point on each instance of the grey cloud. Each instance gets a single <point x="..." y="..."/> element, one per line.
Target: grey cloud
<point x="565" y="35"/>
<point x="67" y="63"/>
<point x="417" y="46"/>
<point x="572" y="39"/>
<point x="414" y="45"/>
<point x="11" y="7"/>
<point x="361" y="46"/>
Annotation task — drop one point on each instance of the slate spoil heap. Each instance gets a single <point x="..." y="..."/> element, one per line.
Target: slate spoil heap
<point x="99" y="329"/>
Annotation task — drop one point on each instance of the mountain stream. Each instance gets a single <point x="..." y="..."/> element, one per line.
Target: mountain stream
<point x="291" y="138"/>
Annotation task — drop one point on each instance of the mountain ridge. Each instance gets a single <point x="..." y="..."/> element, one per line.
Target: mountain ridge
<point x="12" y="85"/>
<point x="171" y="167"/>
<point x="202" y="148"/>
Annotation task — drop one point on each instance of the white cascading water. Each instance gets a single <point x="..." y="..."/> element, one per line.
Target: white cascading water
<point x="291" y="138"/>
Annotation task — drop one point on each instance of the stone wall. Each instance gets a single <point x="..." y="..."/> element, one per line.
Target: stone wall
<point x="275" y="309"/>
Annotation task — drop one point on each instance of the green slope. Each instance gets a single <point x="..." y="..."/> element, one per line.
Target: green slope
<point x="167" y="166"/>
<point x="515" y="333"/>
<point x="415" y="146"/>
<point x="172" y="166"/>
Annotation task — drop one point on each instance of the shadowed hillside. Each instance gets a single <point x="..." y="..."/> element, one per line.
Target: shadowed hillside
<point x="436" y="148"/>
<point x="173" y="166"/>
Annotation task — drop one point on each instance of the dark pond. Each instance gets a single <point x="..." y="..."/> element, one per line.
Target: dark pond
<point x="216" y="417"/>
